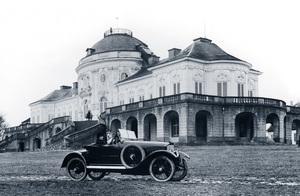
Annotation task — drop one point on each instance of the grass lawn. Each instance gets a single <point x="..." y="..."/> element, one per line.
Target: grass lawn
<point x="213" y="170"/>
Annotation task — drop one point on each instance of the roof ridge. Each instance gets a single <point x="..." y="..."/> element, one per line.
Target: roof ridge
<point x="192" y="48"/>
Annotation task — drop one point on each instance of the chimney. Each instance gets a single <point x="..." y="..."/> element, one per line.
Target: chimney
<point x="75" y="85"/>
<point x="63" y="87"/>
<point x="153" y="59"/>
<point x="173" y="52"/>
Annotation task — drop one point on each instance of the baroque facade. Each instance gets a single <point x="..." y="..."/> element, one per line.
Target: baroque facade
<point x="200" y="93"/>
<point x="120" y="69"/>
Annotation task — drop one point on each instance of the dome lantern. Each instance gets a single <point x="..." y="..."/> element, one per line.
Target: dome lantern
<point x="123" y="31"/>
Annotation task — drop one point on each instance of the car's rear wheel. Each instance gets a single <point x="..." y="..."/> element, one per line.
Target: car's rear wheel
<point x="132" y="155"/>
<point x="76" y="169"/>
<point x="180" y="171"/>
<point x="162" y="168"/>
<point x="96" y="175"/>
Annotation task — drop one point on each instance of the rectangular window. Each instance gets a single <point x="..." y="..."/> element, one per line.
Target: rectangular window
<point x="240" y="90"/>
<point x="219" y="89"/>
<point x="141" y="98"/>
<point x="250" y="93"/>
<point x="175" y="127"/>
<point x="176" y="87"/>
<point x="131" y="100"/>
<point x="150" y="96"/>
<point x="122" y="102"/>
<point x="198" y="87"/>
<point x="162" y="91"/>
<point x="222" y="89"/>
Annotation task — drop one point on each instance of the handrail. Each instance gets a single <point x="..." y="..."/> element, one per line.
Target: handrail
<point x="200" y="98"/>
<point x="60" y="134"/>
<point x="81" y="134"/>
<point x="48" y="124"/>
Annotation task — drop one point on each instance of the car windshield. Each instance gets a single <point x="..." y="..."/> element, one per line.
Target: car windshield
<point x="127" y="134"/>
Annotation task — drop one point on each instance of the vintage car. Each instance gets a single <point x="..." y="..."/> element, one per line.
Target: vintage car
<point x="124" y="154"/>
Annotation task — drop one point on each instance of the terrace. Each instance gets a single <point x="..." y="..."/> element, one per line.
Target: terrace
<point x="207" y="99"/>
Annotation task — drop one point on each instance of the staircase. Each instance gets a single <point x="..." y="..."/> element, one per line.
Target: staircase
<point x="57" y="141"/>
<point x="54" y="142"/>
<point x="78" y="139"/>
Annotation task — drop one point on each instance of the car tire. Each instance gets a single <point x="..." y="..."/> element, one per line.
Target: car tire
<point x="162" y="169"/>
<point x="96" y="175"/>
<point x="132" y="155"/>
<point x="76" y="169"/>
<point x="180" y="171"/>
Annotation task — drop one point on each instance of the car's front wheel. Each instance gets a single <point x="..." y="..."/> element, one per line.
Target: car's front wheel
<point x="180" y="171"/>
<point x="96" y="175"/>
<point x="162" y="168"/>
<point x="76" y="169"/>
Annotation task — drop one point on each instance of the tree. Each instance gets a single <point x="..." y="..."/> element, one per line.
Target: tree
<point x="2" y="126"/>
<point x="2" y="122"/>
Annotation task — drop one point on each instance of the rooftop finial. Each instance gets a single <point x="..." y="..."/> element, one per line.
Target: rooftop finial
<point x="117" y="18"/>
<point x="204" y="29"/>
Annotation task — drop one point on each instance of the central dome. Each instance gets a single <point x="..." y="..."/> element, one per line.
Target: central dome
<point x="117" y="40"/>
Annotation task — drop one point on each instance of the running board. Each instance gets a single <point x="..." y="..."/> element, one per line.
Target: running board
<point x="104" y="167"/>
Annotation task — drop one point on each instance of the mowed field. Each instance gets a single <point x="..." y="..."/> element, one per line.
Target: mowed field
<point x="213" y="170"/>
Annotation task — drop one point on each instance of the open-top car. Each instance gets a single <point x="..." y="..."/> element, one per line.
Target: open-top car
<point x="124" y="154"/>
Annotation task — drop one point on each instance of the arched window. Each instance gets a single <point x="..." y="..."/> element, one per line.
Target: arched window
<point x="103" y="104"/>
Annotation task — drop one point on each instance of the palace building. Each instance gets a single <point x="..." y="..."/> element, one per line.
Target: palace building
<point x="198" y="94"/>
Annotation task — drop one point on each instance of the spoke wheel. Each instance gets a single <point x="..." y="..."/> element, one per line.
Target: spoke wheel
<point x="132" y="155"/>
<point x="96" y="175"/>
<point x="162" y="168"/>
<point x="180" y="171"/>
<point x="76" y="169"/>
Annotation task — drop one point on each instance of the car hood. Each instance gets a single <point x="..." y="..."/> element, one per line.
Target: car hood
<point x="147" y="143"/>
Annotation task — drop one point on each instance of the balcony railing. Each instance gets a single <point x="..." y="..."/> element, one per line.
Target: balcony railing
<point x="199" y="98"/>
<point x="293" y="109"/>
<point x="117" y="31"/>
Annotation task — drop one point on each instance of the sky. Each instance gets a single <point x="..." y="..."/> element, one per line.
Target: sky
<point x="42" y="41"/>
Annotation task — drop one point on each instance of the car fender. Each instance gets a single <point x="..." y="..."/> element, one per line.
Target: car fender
<point x="72" y="155"/>
<point x="170" y="154"/>
<point x="184" y="155"/>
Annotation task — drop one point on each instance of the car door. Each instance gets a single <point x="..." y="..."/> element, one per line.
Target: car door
<point x="108" y="154"/>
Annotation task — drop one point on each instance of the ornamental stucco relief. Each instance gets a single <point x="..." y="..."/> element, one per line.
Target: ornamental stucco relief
<point x="176" y="77"/>
<point x="222" y="75"/>
<point x="131" y="93"/>
<point x="240" y="76"/>
<point x="198" y="76"/>
<point x="95" y="71"/>
<point x="251" y="84"/>
<point x="141" y="91"/>
<point x="161" y="80"/>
